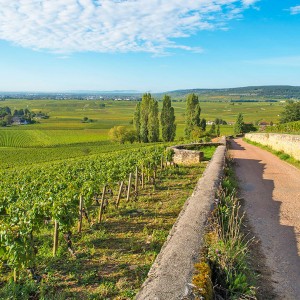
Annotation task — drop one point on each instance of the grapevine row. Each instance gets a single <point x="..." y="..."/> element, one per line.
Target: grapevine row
<point x="31" y="196"/>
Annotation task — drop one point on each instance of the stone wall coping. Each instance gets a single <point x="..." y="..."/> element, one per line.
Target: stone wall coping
<point x="170" y="276"/>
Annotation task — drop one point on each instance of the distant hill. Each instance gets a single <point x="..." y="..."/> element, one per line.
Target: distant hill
<point x="243" y="93"/>
<point x="240" y="94"/>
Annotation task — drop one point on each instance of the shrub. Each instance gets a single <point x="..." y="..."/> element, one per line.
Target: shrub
<point x="122" y="134"/>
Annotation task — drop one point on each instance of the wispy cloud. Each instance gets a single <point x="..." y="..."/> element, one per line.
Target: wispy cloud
<point x="295" y="10"/>
<point x="113" y="25"/>
<point x="285" y="61"/>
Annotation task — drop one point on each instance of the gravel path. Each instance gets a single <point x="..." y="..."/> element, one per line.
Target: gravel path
<point x="271" y="190"/>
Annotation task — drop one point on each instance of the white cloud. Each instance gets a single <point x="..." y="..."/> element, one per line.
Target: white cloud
<point x="295" y="10"/>
<point x="248" y="2"/>
<point x="153" y="26"/>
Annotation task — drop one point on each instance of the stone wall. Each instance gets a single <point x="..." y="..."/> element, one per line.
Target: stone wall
<point x="171" y="274"/>
<point x="187" y="157"/>
<point x="184" y="154"/>
<point x="287" y="143"/>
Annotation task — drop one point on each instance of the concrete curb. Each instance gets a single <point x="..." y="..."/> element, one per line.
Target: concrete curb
<point x="171" y="274"/>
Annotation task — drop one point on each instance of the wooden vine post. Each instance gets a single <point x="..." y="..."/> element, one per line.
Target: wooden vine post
<point x="136" y="180"/>
<point x="143" y="177"/>
<point x="129" y="185"/>
<point x="55" y="237"/>
<point x="15" y="275"/>
<point x="80" y="214"/>
<point x="101" y="205"/>
<point x="119" y="194"/>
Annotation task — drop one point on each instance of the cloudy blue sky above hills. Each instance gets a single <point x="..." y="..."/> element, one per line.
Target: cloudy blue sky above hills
<point x="147" y="45"/>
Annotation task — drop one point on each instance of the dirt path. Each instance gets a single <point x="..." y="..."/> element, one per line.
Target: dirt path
<point x="271" y="190"/>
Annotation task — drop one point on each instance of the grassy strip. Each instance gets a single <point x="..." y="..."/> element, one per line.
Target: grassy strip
<point x="224" y="270"/>
<point x="282" y="155"/>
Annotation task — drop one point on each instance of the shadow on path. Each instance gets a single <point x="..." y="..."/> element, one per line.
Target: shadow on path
<point x="279" y="243"/>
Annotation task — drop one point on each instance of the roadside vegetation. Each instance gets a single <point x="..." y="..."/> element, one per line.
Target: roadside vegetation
<point x="282" y="155"/>
<point x="289" y="128"/>
<point x="224" y="270"/>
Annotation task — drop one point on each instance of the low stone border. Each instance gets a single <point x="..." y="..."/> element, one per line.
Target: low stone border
<point x="287" y="143"/>
<point x="171" y="274"/>
<point x="186" y="156"/>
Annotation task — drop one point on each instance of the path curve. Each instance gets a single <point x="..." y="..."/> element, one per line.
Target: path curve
<point x="271" y="190"/>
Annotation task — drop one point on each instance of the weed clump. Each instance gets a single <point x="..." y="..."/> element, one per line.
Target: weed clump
<point x="224" y="271"/>
<point x="202" y="280"/>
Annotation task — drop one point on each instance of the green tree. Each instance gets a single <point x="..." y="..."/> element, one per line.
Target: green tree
<point x="239" y="124"/>
<point x="167" y="119"/>
<point x="212" y="129"/>
<point x="137" y="121"/>
<point x="192" y="114"/>
<point x="145" y="111"/>
<point x="4" y="111"/>
<point x="197" y="119"/>
<point x="291" y="112"/>
<point x="146" y="119"/>
<point x="122" y="134"/>
<point x="203" y="124"/>
<point x="153" y="122"/>
<point x="196" y="133"/>
<point x="218" y="130"/>
<point x="8" y="119"/>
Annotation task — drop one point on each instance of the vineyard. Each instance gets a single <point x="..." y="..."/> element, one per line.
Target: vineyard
<point x="17" y="138"/>
<point x="45" y="208"/>
<point x="20" y="157"/>
<point x="291" y="128"/>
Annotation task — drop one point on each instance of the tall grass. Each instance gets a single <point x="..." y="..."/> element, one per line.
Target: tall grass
<point x="226" y="249"/>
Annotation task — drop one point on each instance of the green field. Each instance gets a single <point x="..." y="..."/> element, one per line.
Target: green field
<point x="65" y="127"/>
<point x="65" y="136"/>
<point x="110" y="257"/>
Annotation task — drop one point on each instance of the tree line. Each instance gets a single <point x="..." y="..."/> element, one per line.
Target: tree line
<point x="148" y="122"/>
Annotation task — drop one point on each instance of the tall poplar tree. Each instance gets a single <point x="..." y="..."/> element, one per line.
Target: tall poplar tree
<point x="145" y="111"/>
<point x="137" y="121"/>
<point x="192" y="114"/>
<point x="153" y="122"/>
<point x="167" y="119"/>
<point x="146" y="119"/>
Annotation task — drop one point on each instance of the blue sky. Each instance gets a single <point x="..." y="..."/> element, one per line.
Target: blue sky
<point x="148" y="45"/>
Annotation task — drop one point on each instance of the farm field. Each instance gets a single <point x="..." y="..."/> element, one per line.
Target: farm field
<point x="65" y="114"/>
<point x="21" y="157"/>
<point x="65" y="136"/>
<point x="68" y="115"/>
<point x="112" y="258"/>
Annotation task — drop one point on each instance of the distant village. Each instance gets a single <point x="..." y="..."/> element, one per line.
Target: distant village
<point x="19" y="117"/>
<point x="72" y="96"/>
